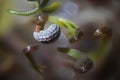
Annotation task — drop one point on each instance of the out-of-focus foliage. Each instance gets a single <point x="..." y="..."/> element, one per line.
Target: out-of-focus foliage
<point x="51" y="8"/>
<point x="40" y="8"/>
<point x="72" y="52"/>
<point x="5" y="18"/>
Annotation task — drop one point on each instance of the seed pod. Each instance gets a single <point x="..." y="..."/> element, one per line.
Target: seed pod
<point x="83" y="65"/>
<point x="103" y="32"/>
<point x="48" y="35"/>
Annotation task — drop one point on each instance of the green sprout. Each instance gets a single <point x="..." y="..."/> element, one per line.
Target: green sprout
<point x="39" y="8"/>
<point x="82" y="64"/>
<point x="72" y="52"/>
<point x="51" y="8"/>
<point x="27" y="13"/>
<point x="69" y="25"/>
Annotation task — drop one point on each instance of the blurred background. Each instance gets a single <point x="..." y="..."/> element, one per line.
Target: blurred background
<point x="16" y="33"/>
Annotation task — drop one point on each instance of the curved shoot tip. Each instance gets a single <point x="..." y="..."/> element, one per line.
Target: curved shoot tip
<point x="74" y="32"/>
<point x="24" y="13"/>
<point x="51" y="8"/>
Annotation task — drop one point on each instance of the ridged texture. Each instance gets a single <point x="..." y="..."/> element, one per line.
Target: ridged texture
<point x="48" y="35"/>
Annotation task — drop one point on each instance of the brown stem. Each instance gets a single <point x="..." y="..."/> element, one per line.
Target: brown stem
<point x="28" y="53"/>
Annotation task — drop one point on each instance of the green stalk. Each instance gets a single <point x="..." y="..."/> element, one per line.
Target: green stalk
<point x="72" y="52"/>
<point x="52" y="7"/>
<point x="69" y="25"/>
<point x="103" y="50"/>
<point x="33" y="63"/>
<point x="27" y="13"/>
<point x="82" y="64"/>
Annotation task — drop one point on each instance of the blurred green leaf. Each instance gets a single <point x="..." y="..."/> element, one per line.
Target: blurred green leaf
<point x="72" y="52"/>
<point x="33" y="0"/>
<point x="51" y="8"/>
<point x="102" y="51"/>
<point x="5" y="19"/>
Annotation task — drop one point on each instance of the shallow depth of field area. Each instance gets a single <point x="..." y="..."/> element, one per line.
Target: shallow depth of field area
<point x="59" y="40"/>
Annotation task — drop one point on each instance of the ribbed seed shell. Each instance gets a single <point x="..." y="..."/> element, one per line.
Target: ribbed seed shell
<point x="48" y="35"/>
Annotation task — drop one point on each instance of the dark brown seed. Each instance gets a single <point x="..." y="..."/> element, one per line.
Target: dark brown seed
<point x="83" y="65"/>
<point x="103" y="32"/>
